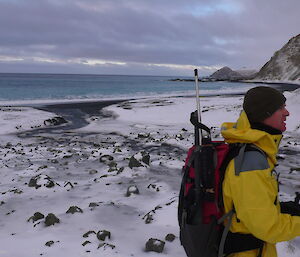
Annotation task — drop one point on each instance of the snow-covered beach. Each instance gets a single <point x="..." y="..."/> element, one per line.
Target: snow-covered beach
<point x="111" y="181"/>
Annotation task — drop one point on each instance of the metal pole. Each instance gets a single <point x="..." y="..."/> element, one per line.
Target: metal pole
<point x="198" y="104"/>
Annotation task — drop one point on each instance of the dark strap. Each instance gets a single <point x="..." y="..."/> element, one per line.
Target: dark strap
<point x="237" y="242"/>
<point x="238" y="161"/>
<point x="225" y="231"/>
<point x="260" y="250"/>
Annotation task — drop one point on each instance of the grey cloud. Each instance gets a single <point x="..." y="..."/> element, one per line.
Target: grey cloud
<point x="140" y="31"/>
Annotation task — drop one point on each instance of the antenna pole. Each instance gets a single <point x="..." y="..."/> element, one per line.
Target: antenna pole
<point x="198" y="104"/>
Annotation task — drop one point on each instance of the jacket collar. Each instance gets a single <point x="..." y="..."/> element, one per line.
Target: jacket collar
<point x="266" y="128"/>
<point x="242" y="132"/>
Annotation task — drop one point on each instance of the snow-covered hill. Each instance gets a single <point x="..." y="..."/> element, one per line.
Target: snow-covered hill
<point x="284" y="64"/>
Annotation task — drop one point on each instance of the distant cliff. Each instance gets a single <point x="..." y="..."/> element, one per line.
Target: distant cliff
<point x="284" y="64"/>
<point x="225" y="74"/>
<point x="228" y="74"/>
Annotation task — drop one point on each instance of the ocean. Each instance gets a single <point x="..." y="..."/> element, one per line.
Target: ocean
<point x="29" y="88"/>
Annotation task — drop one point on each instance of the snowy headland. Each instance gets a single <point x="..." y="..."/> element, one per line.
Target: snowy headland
<point x="107" y="181"/>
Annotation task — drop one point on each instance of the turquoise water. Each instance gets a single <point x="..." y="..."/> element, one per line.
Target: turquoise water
<point x="26" y="87"/>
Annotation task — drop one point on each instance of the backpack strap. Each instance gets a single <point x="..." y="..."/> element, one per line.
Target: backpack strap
<point x="238" y="160"/>
<point x="258" y="154"/>
<point x="237" y="242"/>
<point x="225" y="231"/>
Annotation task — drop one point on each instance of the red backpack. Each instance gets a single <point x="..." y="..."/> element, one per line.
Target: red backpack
<point x="200" y="209"/>
<point x="210" y="207"/>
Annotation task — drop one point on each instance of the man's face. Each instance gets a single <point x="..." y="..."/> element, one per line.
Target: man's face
<point x="278" y="118"/>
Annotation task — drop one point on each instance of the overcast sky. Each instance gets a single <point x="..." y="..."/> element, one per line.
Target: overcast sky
<point x="150" y="37"/>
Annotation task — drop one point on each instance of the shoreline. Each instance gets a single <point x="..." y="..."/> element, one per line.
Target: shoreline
<point x="77" y="112"/>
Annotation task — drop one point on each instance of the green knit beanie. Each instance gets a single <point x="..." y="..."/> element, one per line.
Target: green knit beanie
<point x="261" y="102"/>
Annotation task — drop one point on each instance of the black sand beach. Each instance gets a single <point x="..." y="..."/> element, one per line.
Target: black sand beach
<point x="75" y="113"/>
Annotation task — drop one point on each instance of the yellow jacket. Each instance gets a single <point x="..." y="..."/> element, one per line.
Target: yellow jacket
<point x="254" y="192"/>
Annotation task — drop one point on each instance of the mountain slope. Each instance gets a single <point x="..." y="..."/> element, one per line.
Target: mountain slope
<point x="284" y="64"/>
<point x="225" y="74"/>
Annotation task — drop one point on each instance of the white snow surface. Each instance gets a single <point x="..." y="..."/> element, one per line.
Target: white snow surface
<point x="16" y="119"/>
<point x="90" y="169"/>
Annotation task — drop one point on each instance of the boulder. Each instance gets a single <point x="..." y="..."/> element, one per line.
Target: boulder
<point x="132" y="190"/>
<point x="170" y="237"/>
<point x="36" y="216"/>
<point x="74" y="209"/>
<point x="155" y="245"/>
<point x="51" y="219"/>
<point x="41" y="180"/>
<point x="103" y="234"/>
<point x="55" y="121"/>
<point x="134" y="163"/>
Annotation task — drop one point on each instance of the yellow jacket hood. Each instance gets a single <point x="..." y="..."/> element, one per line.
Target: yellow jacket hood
<point x="241" y="132"/>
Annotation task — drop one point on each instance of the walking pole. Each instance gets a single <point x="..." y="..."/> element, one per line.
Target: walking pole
<point x="198" y="132"/>
<point x="198" y="146"/>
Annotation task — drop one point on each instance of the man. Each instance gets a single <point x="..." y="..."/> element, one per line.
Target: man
<point x="250" y="186"/>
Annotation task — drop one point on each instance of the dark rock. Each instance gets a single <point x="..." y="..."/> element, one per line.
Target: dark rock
<point x="155" y="245"/>
<point x="134" y="163"/>
<point x="295" y="169"/>
<point x="36" y="216"/>
<point x="85" y="243"/>
<point x="148" y="218"/>
<point x="280" y="157"/>
<point x="88" y="233"/>
<point x="16" y="191"/>
<point x="8" y="145"/>
<point x="180" y="137"/>
<point x="68" y="156"/>
<point x="117" y="150"/>
<point x="51" y="219"/>
<point x="49" y="243"/>
<point x="93" y="205"/>
<point x="104" y="245"/>
<point x="74" y="209"/>
<point x="143" y="135"/>
<point x="103" y="234"/>
<point x="106" y="158"/>
<point x="41" y="180"/>
<point x="112" y="166"/>
<point x="120" y="170"/>
<point x="170" y="237"/>
<point x="132" y="190"/>
<point x="32" y="183"/>
<point x="50" y="184"/>
<point x="55" y="121"/>
<point x="146" y="158"/>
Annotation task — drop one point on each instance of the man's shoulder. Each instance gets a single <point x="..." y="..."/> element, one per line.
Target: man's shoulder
<point x="253" y="159"/>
